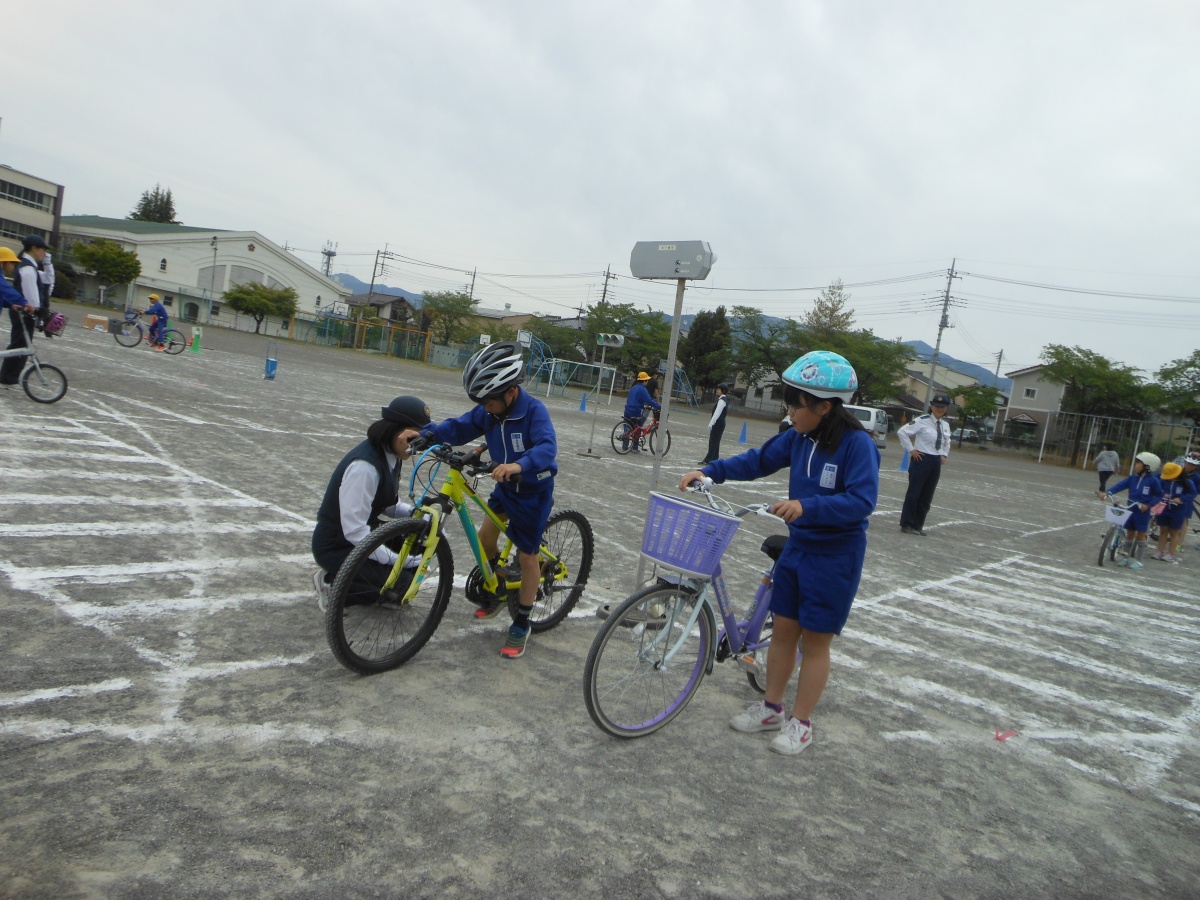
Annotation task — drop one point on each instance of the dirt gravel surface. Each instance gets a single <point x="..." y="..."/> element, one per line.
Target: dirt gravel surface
<point x="172" y="722"/>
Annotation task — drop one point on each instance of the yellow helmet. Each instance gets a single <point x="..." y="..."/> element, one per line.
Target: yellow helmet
<point x="642" y="376"/>
<point x="6" y="255"/>
<point x="1171" y="471"/>
<point x="155" y="297"/>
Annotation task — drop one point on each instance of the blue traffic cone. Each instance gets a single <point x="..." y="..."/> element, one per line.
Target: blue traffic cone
<point x="903" y="462"/>
<point x="742" y="439"/>
<point x="583" y="403"/>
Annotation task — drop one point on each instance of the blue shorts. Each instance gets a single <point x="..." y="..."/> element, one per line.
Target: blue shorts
<point x="527" y="516"/>
<point x="1139" y="521"/>
<point x="1173" y="519"/>
<point x="816" y="590"/>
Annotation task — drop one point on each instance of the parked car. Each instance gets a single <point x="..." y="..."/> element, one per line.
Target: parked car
<point x="966" y="435"/>
<point x="875" y="421"/>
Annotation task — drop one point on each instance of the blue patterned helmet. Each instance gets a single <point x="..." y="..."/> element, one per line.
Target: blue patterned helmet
<point x="823" y="374"/>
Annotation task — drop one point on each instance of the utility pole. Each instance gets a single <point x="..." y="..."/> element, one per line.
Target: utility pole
<point x="374" y="268"/>
<point x="471" y="289"/>
<point x="942" y="326"/>
<point x="607" y="275"/>
<point x="999" y="359"/>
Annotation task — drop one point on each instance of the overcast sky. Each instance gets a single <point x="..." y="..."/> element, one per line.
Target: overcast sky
<point x="1055" y="143"/>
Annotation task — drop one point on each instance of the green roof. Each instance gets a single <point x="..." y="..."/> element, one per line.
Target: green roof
<point x="131" y="226"/>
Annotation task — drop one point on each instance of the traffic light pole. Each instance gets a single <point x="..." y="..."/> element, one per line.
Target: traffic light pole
<point x="596" y="406"/>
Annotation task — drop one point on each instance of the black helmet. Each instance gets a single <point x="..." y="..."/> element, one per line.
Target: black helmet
<point x="493" y="370"/>
<point x="33" y="240"/>
<point x="410" y="411"/>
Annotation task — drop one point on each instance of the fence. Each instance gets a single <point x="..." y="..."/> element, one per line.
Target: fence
<point x="1074" y="437"/>
<point x="357" y="334"/>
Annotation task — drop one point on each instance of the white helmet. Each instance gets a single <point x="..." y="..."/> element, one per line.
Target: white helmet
<point x="493" y="370"/>
<point x="1149" y="460"/>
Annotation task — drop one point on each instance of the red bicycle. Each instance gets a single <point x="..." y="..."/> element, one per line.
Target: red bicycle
<point x="628" y="436"/>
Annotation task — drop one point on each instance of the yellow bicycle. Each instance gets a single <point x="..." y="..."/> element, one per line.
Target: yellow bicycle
<point x="379" y="617"/>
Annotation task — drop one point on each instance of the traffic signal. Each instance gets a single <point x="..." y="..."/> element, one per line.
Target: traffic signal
<point x="610" y="340"/>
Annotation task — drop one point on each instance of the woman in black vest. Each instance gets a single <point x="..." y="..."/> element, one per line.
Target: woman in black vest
<point x="364" y="486"/>
<point x="716" y="425"/>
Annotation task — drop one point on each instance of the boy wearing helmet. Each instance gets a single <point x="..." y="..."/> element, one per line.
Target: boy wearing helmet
<point x="832" y="489"/>
<point x="1144" y="491"/>
<point x="364" y="486"/>
<point x="158" y="328"/>
<point x="9" y="296"/>
<point x="639" y="398"/>
<point x="1178" y="492"/>
<point x="521" y="439"/>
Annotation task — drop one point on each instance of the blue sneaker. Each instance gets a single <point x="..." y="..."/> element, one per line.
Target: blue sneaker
<point x="514" y="647"/>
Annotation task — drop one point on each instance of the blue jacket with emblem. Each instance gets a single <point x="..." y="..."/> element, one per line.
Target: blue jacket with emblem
<point x="525" y="436"/>
<point x="639" y="398"/>
<point x="1144" y="488"/>
<point x="837" y="490"/>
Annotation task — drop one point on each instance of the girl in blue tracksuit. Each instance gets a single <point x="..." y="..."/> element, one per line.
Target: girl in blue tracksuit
<point x="1144" y="491"/>
<point x="832" y="489"/>
<point x="1178" y="492"/>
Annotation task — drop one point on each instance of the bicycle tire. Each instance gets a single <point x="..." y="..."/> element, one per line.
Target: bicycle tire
<point x="44" y="384"/>
<point x="173" y="341"/>
<point x="627" y="692"/>
<point x="1108" y="547"/>
<point x="666" y="440"/>
<point x="369" y="633"/>
<point x="568" y="536"/>
<point x="129" y="334"/>
<point x="618" y="432"/>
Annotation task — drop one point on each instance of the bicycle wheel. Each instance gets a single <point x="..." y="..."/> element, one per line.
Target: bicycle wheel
<point x="618" y="433"/>
<point x="629" y="690"/>
<point x="1108" y="547"/>
<point x="44" y="384"/>
<point x="372" y="629"/>
<point x="665" y="437"/>
<point x="569" y="537"/>
<point x="129" y="334"/>
<point x="173" y="341"/>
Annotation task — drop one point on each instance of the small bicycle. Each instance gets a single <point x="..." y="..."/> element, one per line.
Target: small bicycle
<point x="43" y="382"/>
<point x="1114" y="537"/>
<point x="132" y="332"/>
<point x="627" y="436"/>
<point x="372" y="628"/>
<point x="648" y="659"/>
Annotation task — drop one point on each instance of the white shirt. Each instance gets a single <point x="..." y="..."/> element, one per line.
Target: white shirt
<point x="921" y="434"/>
<point x="47" y="273"/>
<point x="717" y="407"/>
<point x="360" y="481"/>
<point x="27" y="283"/>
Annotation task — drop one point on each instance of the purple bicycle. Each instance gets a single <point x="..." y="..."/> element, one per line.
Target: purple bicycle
<point x="649" y="657"/>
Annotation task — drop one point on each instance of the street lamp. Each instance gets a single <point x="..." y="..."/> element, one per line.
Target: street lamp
<point x="212" y="279"/>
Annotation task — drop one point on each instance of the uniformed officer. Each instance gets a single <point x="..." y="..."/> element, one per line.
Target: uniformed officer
<point x="926" y="439"/>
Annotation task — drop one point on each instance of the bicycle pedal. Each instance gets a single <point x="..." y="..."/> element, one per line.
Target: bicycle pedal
<point x="747" y="663"/>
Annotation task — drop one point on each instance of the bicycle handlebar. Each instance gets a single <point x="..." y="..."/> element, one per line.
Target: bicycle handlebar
<point x="704" y="486"/>
<point x="468" y="461"/>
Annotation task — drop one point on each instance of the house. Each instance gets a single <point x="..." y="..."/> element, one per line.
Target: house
<point x="191" y="268"/>
<point x="28" y="205"/>
<point x="1031" y="403"/>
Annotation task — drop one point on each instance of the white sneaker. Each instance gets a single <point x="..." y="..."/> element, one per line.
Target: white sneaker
<point x="792" y="738"/>
<point x="322" y="589"/>
<point x="757" y="717"/>
<point x="1134" y="564"/>
<point x="1167" y="557"/>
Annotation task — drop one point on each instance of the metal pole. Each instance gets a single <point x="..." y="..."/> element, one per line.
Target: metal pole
<point x="596" y="406"/>
<point x="1045" y="429"/>
<point x="942" y="326"/>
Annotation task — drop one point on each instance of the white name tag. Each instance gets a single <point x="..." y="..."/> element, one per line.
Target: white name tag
<point x="518" y="443"/>
<point x="829" y="476"/>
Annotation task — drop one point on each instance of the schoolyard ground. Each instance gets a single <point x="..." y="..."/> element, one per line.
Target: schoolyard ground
<point x="1005" y="718"/>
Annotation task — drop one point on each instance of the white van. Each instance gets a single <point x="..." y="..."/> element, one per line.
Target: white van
<point x="875" y="421"/>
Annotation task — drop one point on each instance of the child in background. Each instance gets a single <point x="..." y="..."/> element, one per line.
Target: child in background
<point x="1178" y="493"/>
<point x="1107" y="462"/>
<point x="1191" y="471"/>
<point x="1144" y="491"/>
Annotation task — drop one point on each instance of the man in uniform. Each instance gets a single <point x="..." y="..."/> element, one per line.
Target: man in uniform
<point x="926" y="440"/>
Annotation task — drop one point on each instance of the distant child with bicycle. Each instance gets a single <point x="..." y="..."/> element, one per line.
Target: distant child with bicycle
<point x="1178" y="492"/>
<point x="637" y="401"/>
<point x="832" y="489"/>
<point x="158" y="327"/>
<point x="520" y="437"/>
<point x="1144" y="491"/>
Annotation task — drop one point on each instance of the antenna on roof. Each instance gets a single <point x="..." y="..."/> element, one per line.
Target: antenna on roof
<point x="329" y="252"/>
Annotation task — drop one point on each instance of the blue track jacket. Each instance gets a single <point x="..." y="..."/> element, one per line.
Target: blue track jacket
<point x="838" y="490"/>
<point x="9" y="295"/>
<point x="526" y="436"/>
<point x="1142" y="489"/>
<point x="639" y="398"/>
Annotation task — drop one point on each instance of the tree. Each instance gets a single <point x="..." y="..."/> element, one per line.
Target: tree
<point x="564" y="343"/>
<point x="1179" y="381"/>
<point x="829" y="315"/>
<point x="879" y="364"/>
<point x="155" y="206"/>
<point x="449" y="315"/>
<point x="108" y="262"/>
<point x="649" y="340"/>
<point x="763" y="348"/>
<point x="259" y="301"/>
<point x="1095" y="386"/>
<point x="705" y="354"/>
<point x="977" y="403"/>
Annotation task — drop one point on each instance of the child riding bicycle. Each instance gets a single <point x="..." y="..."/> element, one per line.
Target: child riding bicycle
<point x="520" y="436"/>
<point x="637" y="401"/>
<point x="158" y="327"/>
<point x="832" y="489"/>
<point x="1144" y="491"/>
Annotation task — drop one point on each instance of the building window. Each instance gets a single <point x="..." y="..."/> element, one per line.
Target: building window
<point x="16" y="230"/>
<point x="758" y="392"/>
<point x="216" y="309"/>
<point x="26" y="196"/>
<point x="168" y="300"/>
<point x="1030" y="393"/>
<point x="162" y="264"/>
